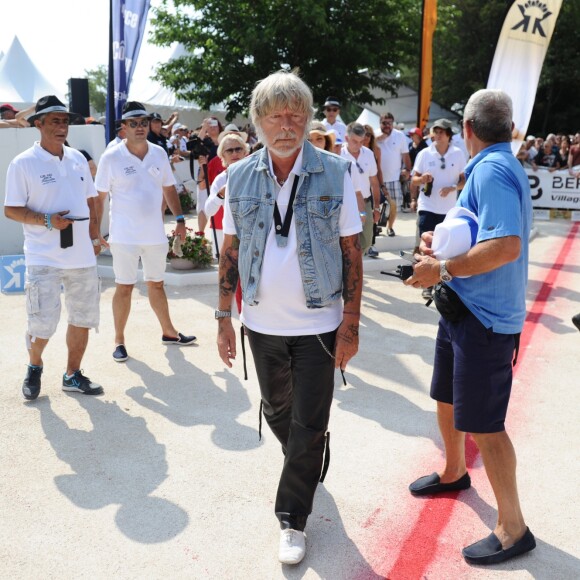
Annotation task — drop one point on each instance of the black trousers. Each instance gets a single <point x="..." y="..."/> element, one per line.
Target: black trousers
<point x="296" y="378"/>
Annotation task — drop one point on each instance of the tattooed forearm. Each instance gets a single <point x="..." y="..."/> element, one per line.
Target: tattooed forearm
<point x="33" y="217"/>
<point x="228" y="272"/>
<point x="352" y="272"/>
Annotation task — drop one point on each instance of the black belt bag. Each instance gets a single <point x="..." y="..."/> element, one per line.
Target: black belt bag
<point x="449" y="304"/>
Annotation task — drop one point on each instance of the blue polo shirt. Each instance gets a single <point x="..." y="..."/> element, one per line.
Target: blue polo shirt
<point x="498" y="192"/>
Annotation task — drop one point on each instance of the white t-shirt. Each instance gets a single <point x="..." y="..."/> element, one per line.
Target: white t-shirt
<point x="459" y="142"/>
<point x="213" y="202"/>
<point x="338" y="127"/>
<point x="281" y="308"/>
<point x="367" y="162"/>
<point x="136" y="189"/>
<point x="43" y="182"/>
<point x="392" y="150"/>
<point x="430" y="161"/>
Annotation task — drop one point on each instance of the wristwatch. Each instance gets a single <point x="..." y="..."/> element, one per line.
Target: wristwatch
<point x="223" y="314"/>
<point x="445" y="275"/>
<point x="96" y="242"/>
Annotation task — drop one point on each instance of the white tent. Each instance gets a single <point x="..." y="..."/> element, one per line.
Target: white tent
<point x="21" y="83"/>
<point x="403" y="106"/>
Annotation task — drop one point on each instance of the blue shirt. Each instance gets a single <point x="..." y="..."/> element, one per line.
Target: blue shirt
<point x="498" y="192"/>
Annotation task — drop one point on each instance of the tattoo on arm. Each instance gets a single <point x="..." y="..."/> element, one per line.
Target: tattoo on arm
<point x="229" y="274"/>
<point x="352" y="273"/>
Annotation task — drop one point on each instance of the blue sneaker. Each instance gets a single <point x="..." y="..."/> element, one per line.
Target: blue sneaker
<point x="31" y="384"/>
<point x="120" y="353"/>
<point x="78" y="383"/>
<point x="179" y="340"/>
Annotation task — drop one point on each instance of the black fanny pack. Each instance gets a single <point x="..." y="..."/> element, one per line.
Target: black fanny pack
<point x="449" y="304"/>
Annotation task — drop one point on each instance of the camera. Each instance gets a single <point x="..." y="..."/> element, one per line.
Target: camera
<point x="198" y="147"/>
<point x="402" y="272"/>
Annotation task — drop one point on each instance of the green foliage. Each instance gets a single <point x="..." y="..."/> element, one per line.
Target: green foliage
<point x="342" y="48"/>
<point x="98" y="88"/>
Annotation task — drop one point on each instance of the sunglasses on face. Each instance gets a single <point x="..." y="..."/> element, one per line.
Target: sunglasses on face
<point x="234" y="150"/>
<point x="332" y="109"/>
<point x="141" y="123"/>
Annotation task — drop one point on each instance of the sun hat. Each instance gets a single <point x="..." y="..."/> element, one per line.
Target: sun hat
<point x="51" y="104"/>
<point x="456" y="234"/>
<point x="134" y="109"/>
<point x="231" y="128"/>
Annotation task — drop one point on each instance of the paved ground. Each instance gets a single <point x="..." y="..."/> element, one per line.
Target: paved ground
<point x="164" y="475"/>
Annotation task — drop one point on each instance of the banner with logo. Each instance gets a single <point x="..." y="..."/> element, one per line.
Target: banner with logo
<point x="519" y="56"/>
<point x="554" y="189"/>
<point x="428" y="24"/>
<point x="128" y="19"/>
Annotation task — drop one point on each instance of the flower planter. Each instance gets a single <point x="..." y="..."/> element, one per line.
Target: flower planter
<point x="182" y="264"/>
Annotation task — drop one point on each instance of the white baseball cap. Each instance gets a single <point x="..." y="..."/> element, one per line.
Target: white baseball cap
<point x="456" y="234"/>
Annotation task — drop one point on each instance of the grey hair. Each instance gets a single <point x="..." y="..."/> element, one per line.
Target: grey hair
<point x="231" y="137"/>
<point x="355" y="128"/>
<point x="490" y="112"/>
<point x="278" y="91"/>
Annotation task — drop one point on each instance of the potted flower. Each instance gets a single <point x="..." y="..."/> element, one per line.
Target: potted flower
<point x="196" y="251"/>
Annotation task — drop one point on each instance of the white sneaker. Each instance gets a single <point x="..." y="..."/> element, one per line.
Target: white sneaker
<point x="292" y="546"/>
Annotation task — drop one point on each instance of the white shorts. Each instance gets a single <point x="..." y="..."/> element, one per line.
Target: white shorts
<point x="126" y="262"/>
<point x="82" y="293"/>
<point x="201" y="199"/>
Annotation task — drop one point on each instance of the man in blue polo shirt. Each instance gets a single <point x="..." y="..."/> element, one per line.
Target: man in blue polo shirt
<point x="483" y="308"/>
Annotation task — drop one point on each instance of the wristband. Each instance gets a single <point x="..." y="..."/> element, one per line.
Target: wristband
<point x="47" y="222"/>
<point x="179" y="217"/>
<point x="362" y="213"/>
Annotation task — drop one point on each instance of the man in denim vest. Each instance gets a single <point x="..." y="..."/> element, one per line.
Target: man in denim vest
<point x="480" y="324"/>
<point x="291" y="237"/>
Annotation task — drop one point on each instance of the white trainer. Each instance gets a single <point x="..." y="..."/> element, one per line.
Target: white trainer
<point x="292" y="546"/>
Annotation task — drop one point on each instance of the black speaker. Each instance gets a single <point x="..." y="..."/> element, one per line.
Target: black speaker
<point x="79" y="96"/>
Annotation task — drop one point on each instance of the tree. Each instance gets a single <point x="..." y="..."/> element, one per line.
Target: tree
<point x="342" y="48"/>
<point x="464" y="46"/>
<point x="98" y="88"/>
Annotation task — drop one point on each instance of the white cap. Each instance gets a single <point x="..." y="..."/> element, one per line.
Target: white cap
<point x="456" y="234"/>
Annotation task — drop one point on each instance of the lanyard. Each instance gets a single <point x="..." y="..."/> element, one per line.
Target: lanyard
<point x="282" y="229"/>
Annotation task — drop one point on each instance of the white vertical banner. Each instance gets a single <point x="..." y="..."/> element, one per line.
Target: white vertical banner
<point x="519" y="56"/>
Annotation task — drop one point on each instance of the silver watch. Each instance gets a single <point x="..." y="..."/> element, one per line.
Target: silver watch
<point x="96" y="242"/>
<point x="223" y="314"/>
<point x="443" y="273"/>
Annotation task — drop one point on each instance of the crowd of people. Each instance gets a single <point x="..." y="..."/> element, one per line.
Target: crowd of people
<point x="295" y="204"/>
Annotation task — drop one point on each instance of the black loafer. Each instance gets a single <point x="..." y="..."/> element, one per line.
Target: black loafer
<point x="431" y="484"/>
<point x="490" y="551"/>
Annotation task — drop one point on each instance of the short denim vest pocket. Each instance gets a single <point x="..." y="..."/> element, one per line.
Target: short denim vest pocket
<point x="245" y="211"/>
<point x="321" y="214"/>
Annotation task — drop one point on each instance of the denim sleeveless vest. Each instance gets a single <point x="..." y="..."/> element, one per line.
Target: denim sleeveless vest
<point x="252" y="193"/>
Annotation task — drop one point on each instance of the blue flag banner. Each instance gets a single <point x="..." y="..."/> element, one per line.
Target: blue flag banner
<point x="128" y="19"/>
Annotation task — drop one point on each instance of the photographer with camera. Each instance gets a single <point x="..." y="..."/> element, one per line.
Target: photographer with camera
<point x="203" y="148"/>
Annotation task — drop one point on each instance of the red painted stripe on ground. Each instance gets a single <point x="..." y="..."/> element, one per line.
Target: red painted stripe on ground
<point x="420" y="547"/>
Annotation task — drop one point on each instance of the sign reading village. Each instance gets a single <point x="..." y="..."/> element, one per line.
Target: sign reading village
<point x="557" y="189"/>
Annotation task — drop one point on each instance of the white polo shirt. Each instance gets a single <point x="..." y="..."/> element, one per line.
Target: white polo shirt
<point x="430" y="161"/>
<point x="392" y="150"/>
<point x="136" y="189"/>
<point x="338" y="127"/>
<point x="43" y="182"/>
<point x="362" y="169"/>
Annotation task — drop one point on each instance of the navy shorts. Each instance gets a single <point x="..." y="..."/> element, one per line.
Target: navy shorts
<point x="473" y="372"/>
<point x="427" y="220"/>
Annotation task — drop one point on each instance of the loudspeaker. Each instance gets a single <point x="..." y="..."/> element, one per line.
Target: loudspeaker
<point x="79" y="96"/>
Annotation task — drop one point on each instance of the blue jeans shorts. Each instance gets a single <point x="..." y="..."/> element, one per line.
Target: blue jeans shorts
<point x="473" y="372"/>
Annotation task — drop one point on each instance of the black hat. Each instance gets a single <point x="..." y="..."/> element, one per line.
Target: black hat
<point x="156" y="117"/>
<point x="133" y="109"/>
<point x="50" y="104"/>
<point x="332" y="102"/>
